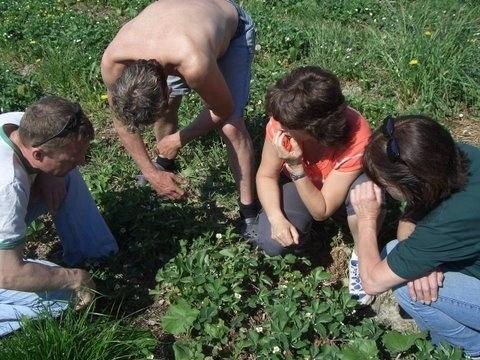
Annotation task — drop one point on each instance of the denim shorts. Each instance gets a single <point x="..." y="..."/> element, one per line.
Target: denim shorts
<point x="235" y="64"/>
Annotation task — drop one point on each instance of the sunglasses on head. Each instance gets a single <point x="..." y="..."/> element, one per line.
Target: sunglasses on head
<point x="73" y="123"/>
<point x="393" y="150"/>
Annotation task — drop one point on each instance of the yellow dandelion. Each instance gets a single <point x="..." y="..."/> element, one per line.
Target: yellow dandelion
<point x="413" y="62"/>
<point x="427" y="33"/>
<point x="104" y="97"/>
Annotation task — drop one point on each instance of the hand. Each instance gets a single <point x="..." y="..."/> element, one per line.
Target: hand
<point x="283" y="231"/>
<point x="169" y="146"/>
<point x="52" y="190"/>
<point x="287" y="149"/>
<point x="366" y="200"/>
<point x="84" y="288"/>
<point x="166" y="184"/>
<point x="425" y="289"/>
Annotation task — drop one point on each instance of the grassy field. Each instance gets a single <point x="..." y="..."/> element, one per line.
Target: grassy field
<point x="183" y="274"/>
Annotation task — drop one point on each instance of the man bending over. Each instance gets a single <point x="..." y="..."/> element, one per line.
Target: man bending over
<point x="173" y="46"/>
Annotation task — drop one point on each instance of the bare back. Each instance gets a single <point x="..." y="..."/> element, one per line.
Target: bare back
<point x="173" y="32"/>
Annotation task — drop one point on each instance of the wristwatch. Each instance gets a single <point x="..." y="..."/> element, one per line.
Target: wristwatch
<point x="296" y="175"/>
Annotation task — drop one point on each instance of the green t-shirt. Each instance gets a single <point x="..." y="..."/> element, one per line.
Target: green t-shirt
<point x="449" y="235"/>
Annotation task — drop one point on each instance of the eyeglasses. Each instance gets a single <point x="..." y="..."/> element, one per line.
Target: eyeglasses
<point x="393" y="150"/>
<point x="71" y="125"/>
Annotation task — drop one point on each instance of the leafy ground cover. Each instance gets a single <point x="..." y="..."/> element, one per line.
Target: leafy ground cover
<point x="183" y="273"/>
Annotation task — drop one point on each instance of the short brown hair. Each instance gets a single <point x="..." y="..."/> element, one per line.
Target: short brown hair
<point x="430" y="168"/>
<point x="139" y="95"/>
<point x="47" y="117"/>
<point x="310" y="99"/>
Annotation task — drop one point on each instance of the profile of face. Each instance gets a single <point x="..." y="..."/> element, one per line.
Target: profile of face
<point x="59" y="163"/>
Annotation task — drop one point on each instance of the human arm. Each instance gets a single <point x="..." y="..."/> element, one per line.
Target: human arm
<point x="165" y="183"/>
<point x="424" y="289"/>
<point x="269" y="195"/>
<point x="20" y="275"/>
<point x="375" y="273"/>
<point x="203" y="75"/>
<point x="321" y="204"/>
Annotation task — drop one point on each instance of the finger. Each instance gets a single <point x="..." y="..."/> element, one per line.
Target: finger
<point x="287" y="239"/>
<point x="432" y="283"/>
<point x="378" y="193"/>
<point x="294" y="234"/>
<point x="418" y="290"/>
<point x="353" y="196"/>
<point x="427" y="291"/>
<point x="411" y="291"/>
<point x="276" y="136"/>
<point x="179" y="179"/>
<point x="440" y="277"/>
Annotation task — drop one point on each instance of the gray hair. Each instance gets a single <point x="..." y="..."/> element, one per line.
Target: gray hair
<point x="140" y="96"/>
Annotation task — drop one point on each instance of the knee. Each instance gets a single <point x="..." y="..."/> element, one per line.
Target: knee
<point x="235" y="132"/>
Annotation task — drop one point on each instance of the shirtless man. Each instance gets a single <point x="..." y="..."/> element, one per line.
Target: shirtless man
<point x="170" y="47"/>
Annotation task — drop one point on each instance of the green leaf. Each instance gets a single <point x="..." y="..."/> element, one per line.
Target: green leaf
<point x="182" y="350"/>
<point x="227" y="252"/>
<point x="179" y="317"/>
<point x="396" y="342"/>
<point x="360" y="349"/>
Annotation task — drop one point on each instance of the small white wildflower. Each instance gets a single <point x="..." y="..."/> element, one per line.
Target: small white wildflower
<point x="275" y="350"/>
<point x="308" y="315"/>
<point x="287" y="38"/>
<point x="218" y="236"/>
<point x="238" y="296"/>
<point x="259" y="329"/>
<point x="258" y="47"/>
<point x="460" y="115"/>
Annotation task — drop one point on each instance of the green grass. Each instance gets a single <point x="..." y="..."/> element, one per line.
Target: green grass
<point x="84" y="336"/>
<point x="171" y="247"/>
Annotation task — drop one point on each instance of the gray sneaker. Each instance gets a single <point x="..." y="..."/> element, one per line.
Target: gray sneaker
<point x="249" y="229"/>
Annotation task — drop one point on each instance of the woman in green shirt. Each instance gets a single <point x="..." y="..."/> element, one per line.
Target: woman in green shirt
<point x="434" y="268"/>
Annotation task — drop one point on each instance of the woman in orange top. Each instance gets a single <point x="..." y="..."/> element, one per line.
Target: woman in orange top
<point x="311" y="157"/>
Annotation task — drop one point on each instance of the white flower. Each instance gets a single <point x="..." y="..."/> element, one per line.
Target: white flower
<point x="460" y="115"/>
<point x="308" y="315"/>
<point x="259" y="329"/>
<point x="238" y="296"/>
<point x="275" y="350"/>
<point x="258" y="47"/>
<point x="218" y="236"/>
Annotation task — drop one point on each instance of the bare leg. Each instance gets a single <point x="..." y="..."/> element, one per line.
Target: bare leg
<point x="240" y="157"/>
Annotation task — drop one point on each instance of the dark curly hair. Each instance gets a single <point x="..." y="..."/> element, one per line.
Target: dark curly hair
<point x="310" y="99"/>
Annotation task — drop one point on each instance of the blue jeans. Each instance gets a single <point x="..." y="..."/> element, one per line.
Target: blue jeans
<point x="83" y="234"/>
<point x="454" y="317"/>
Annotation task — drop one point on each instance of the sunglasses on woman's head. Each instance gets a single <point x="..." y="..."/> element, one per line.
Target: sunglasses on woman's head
<point x="393" y="150"/>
